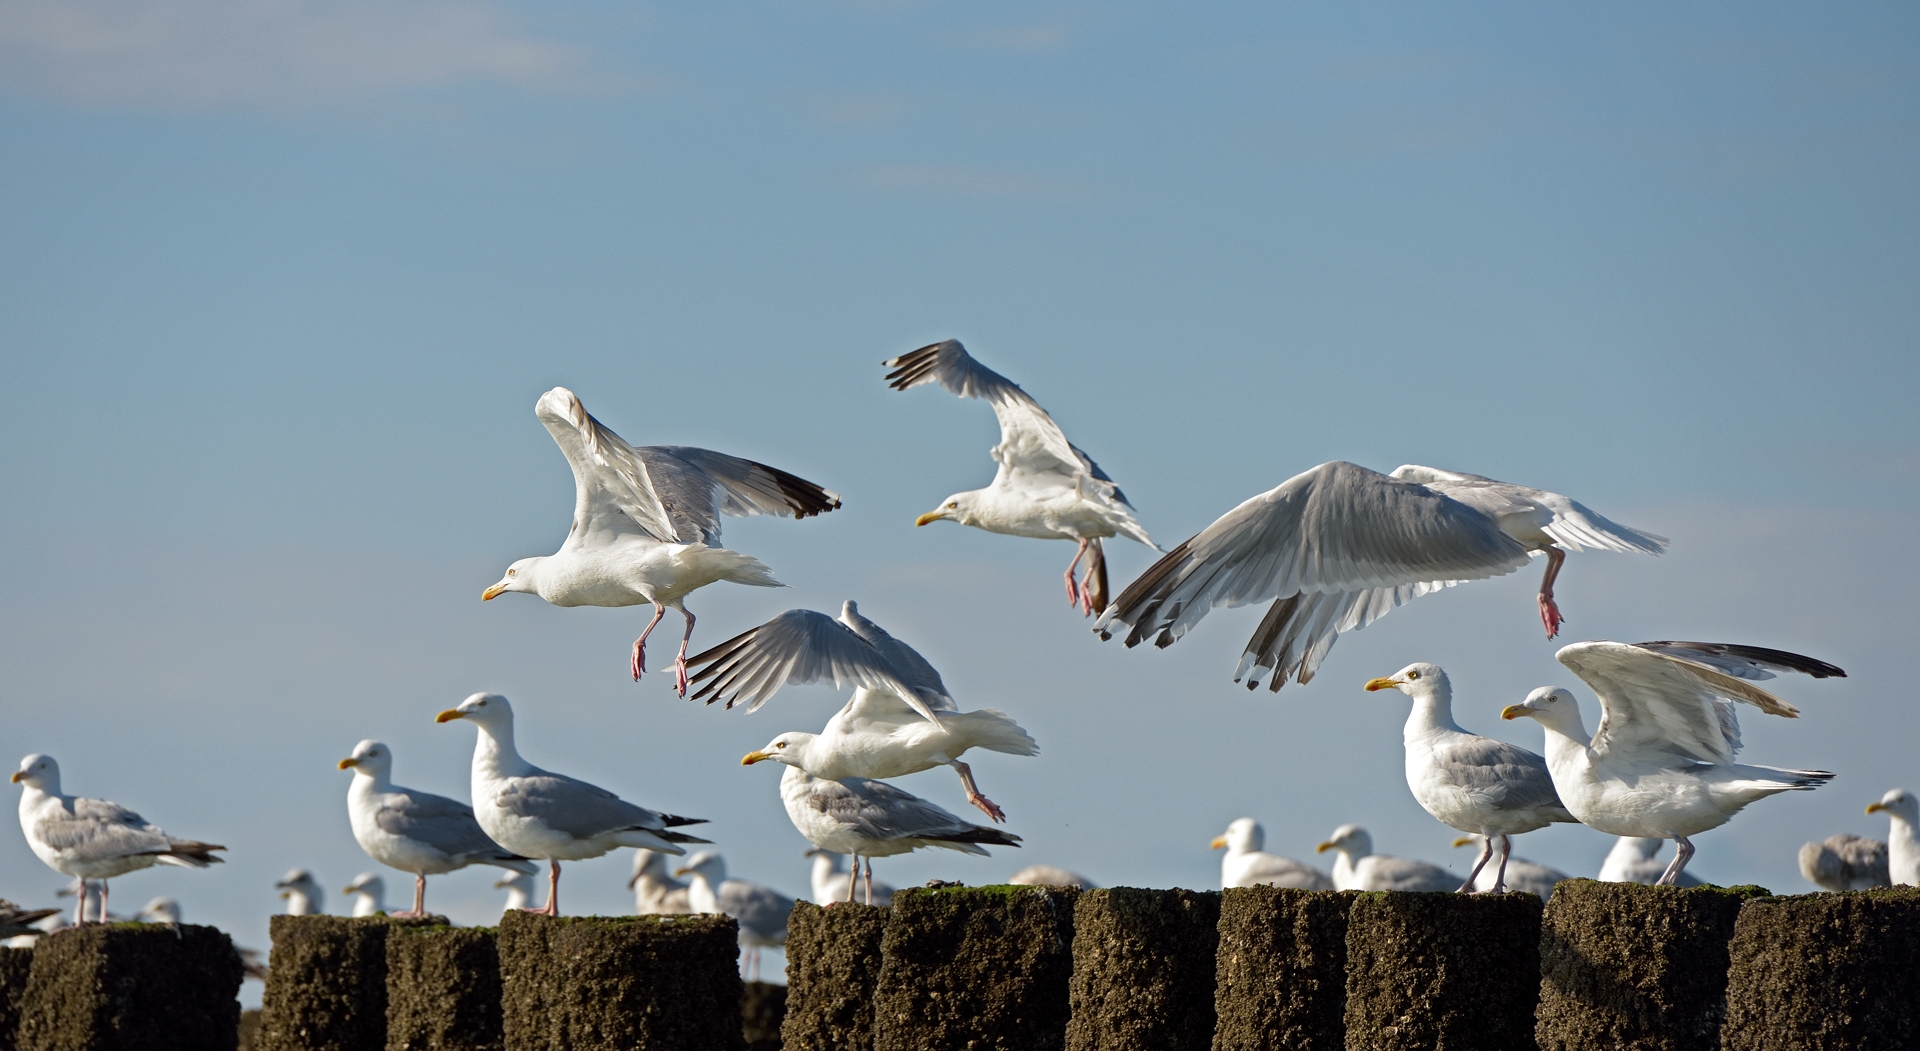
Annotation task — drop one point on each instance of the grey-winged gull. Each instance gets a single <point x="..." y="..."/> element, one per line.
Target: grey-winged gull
<point x="1903" y="846"/>
<point x="519" y="888"/>
<point x="1845" y="862"/>
<point x="760" y="910"/>
<point x="1357" y="867"/>
<point x="368" y="892"/>
<point x="1522" y="876"/>
<point x="655" y="891"/>
<point x="1050" y="876"/>
<point x="1635" y="859"/>
<point x="302" y="893"/>
<point x="1247" y="863"/>
<point x="832" y="882"/>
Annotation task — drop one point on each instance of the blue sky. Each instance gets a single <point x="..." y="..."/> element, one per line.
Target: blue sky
<point x="281" y="282"/>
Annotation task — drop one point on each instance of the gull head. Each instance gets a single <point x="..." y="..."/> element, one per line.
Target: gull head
<point x="959" y="508"/>
<point x="1551" y="706"/>
<point x="519" y="578"/>
<point x="302" y="893"/>
<point x="366" y="883"/>
<point x="1351" y="840"/>
<point x="38" y="771"/>
<point x="789" y="748"/>
<point x="1418" y="681"/>
<point x="487" y="709"/>
<point x="647" y="863"/>
<point x="708" y="865"/>
<point x="1243" y="835"/>
<point x="370" y="758"/>
<point x="159" y="910"/>
<point x="1898" y="803"/>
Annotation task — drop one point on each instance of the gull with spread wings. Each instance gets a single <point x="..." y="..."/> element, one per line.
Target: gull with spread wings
<point x="1340" y="546"/>
<point x="1045" y="486"/>
<point x="646" y="523"/>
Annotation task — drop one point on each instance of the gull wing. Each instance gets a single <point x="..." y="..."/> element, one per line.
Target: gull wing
<point x="613" y="493"/>
<point x="1506" y="775"/>
<point x="799" y="647"/>
<point x="878" y="810"/>
<point x="576" y="807"/>
<point x="1744" y="662"/>
<point x="447" y="825"/>
<point x="1569" y="522"/>
<point x="906" y="662"/>
<point x="758" y="907"/>
<point x="99" y="830"/>
<point x="697" y="486"/>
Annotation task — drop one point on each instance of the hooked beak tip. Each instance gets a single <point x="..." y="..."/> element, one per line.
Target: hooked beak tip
<point x="754" y="757"/>
<point x="492" y="593"/>
<point x="449" y="715"/>
<point x="348" y="764"/>
<point x="1323" y="848"/>
<point x="1218" y="842"/>
<point x="1462" y="841"/>
<point x="19" y="776"/>
<point x="1514" y="711"/>
<point x="1381" y="684"/>
<point x="930" y="516"/>
<point x="1872" y="808"/>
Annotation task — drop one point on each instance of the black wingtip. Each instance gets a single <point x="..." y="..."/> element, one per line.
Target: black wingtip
<point x="1774" y="660"/>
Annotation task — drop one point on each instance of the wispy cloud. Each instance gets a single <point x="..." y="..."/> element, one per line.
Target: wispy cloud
<point x="202" y="54"/>
<point x="954" y="181"/>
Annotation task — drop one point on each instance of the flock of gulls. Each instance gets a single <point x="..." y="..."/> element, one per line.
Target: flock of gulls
<point x="1332" y="550"/>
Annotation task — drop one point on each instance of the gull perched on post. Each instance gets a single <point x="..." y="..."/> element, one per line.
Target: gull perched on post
<point x="760" y="910"/>
<point x="1247" y="864"/>
<point x="369" y="894"/>
<point x="538" y="814"/>
<point x="832" y="882"/>
<point x="519" y="888"/>
<point x="1903" y="846"/>
<point x="92" y="839"/>
<point x="415" y="831"/>
<point x="1480" y="786"/>
<point x="1045" y="487"/>
<point x="302" y="893"/>
<point x="900" y="719"/>
<point x="1633" y="860"/>
<point x="1338" y="547"/>
<point x="1521" y="876"/>
<point x="1358" y="868"/>
<point x="655" y="891"/>
<point x="1661" y="764"/>
<point x="1845" y="862"/>
<point x="646" y="523"/>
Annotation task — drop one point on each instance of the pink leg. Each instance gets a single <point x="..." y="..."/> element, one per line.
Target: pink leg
<point x="680" y="661"/>
<point x="640" y="644"/>
<point x="987" y="806"/>
<point x="80" y="910"/>
<point x="419" y="895"/>
<point x="1671" y="877"/>
<point x="103" y="902"/>
<point x="852" y="881"/>
<point x="1073" y="589"/>
<point x="1485" y="853"/>
<point x="1500" y="878"/>
<point x="553" y="890"/>
<point x="869" y="880"/>
<point x="1549" y="612"/>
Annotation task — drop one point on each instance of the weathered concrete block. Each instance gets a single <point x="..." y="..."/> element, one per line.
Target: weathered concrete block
<point x="663" y="983"/>
<point x="1437" y="970"/>
<point x="763" y="1007"/>
<point x="14" y="965"/>
<point x="1281" y="978"/>
<point x="327" y="983"/>
<point x="250" y="1029"/>
<point x="443" y="989"/>
<point x="1628" y="966"/>
<point x="132" y="987"/>
<point x="1143" y="970"/>
<point x="833" y="963"/>
<point x="1825" y="971"/>
<point x="975" y="968"/>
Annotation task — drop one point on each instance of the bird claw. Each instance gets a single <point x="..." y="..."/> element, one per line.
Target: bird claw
<point x="988" y="807"/>
<point x="1550" y="615"/>
<point x="1073" y="590"/>
<point x="639" y="660"/>
<point x="680" y="680"/>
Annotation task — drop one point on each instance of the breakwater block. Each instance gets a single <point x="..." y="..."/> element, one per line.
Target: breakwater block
<point x="975" y="969"/>
<point x="763" y="1006"/>
<point x="327" y="983"/>
<point x="443" y="989"/>
<point x="1427" y="970"/>
<point x="250" y="1029"/>
<point x="833" y="963"/>
<point x="1143" y="970"/>
<point x="1281" y="977"/>
<point x="132" y="987"/>
<point x="1622" y="965"/>
<point x="612" y="983"/>
<point x="1820" y="971"/>
<point x="14" y="964"/>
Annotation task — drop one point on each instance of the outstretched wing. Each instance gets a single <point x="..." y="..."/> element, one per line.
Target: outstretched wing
<point x="697" y="486"/>
<point x="906" y="662"/>
<point x="613" y="493"/>
<point x="799" y="647"/>
<point x="1570" y="523"/>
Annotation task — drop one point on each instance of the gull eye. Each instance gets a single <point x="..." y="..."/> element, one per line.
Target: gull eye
<point x="511" y="572"/>
<point x="779" y="744"/>
<point x="953" y="503"/>
<point x="1412" y="675"/>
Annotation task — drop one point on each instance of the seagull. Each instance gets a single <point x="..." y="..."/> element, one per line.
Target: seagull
<point x="1903" y="846"/>
<point x="1050" y="876"/>
<point x="519" y="888"/>
<point x="1662" y="762"/>
<point x="1247" y="864"/>
<point x="833" y="883"/>
<point x="655" y="891"/>
<point x="16" y="922"/>
<point x="760" y="910"/>
<point x="302" y="894"/>
<point x="369" y="894"/>
<point x="1340" y="546"/>
<point x="1480" y="786"/>
<point x="1845" y="862"/>
<point x="1632" y="860"/>
<point x="91" y="906"/>
<point x="1045" y="487"/>
<point x="1359" y="868"/>
<point x="646" y="523"/>
<point x="900" y="719"/>
<point x="92" y="839"/>
<point x="159" y="910"/>
<point x="872" y="819"/>
<point x="537" y="814"/>
<point x="1522" y="876"/>
<point x="415" y="831"/>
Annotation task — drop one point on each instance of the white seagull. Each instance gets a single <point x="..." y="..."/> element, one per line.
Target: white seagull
<point x="1359" y="868"/>
<point x="1633" y="859"/>
<point x="1247" y="864"/>
<point x="1485" y="788"/>
<point x="1845" y="862"/>
<point x="760" y="910"/>
<point x="519" y="888"/>
<point x="1903" y="846"/>
<point x="1522" y="876"/>
<point x="302" y="893"/>
<point x="655" y="891"/>
<point x="1050" y="876"/>
<point x="1340" y="546"/>
<point x="92" y="839"/>
<point x="646" y="523"/>
<point x="159" y="910"/>
<point x="538" y="814"/>
<point x="1045" y="486"/>
<point x="415" y="831"/>
<point x="833" y="883"/>
<point x="369" y="894"/>
<point x="900" y="719"/>
<point x="1662" y="764"/>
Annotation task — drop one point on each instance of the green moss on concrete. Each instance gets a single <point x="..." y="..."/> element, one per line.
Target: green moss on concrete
<point x="975" y="968"/>
<point x="443" y="989"/>
<point x="1281" y="974"/>
<point x="1624" y="965"/>
<point x="833" y="964"/>
<point x="1143" y="970"/>
<point x="1427" y="970"/>
<point x="14" y="965"/>
<point x="132" y="987"/>
<point x="664" y="983"/>
<point x="1821" y="971"/>
<point x="327" y="983"/>
<point x="763" y="1007"/>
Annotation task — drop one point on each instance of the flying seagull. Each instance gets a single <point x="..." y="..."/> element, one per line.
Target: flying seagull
<point x="1340" y="546"/>
<point x="646" y="523"/>
<point x="1045" y="487"/>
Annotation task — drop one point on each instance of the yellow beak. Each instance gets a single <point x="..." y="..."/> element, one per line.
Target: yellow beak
<point x="754" y="757"/>
<point x="930" y="516"/>
<point x="349" y="890"/>
<point x="1218" y="842"/>
<point x="449" y="715"/>
<point x="19" y="776"/>
<point x="1323" y="848"/>
<point x="1872" y="808"/>
<point x="348" y="764"/>
<point x="1515" y="711"/>
<point x="493" y="592"/>
<point x="1381" y="684"/>
<point x="680" y="872"/>
<point x="1463" y="841"/>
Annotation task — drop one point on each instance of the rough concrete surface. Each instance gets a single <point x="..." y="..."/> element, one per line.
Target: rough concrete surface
<point x="443" y="989"/>
<point x="663" y="983"/>
<point x="14" y="965"/>
<point x="1442" y="972"/>
<point x="1824" y="972"/>
<point x="1281" y="975"/>
<point x="327" y="983"/>
<point x="250" y="1029"/>
<point x="132" y="987"/>
<point x="763" y="1007"/>
<point x="833" y="962"/>
<point x="975" y="969"/>
<point x="1624" y="965"/>
<point x="1143" y="970"/>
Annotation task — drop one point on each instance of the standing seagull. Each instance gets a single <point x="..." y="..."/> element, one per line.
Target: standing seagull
<point x="1903" y="846"/>
<point x="1247" y="863"/>
<point x="832" y="882"/>
<point x="302" y="893"/>
<point x="415" y="831"/>
<point x="1480" y="786"/>
<point x="1633" y="860"/>
<point x="1340" y="546"/>
<point x="655" y="891"/>
<point x="537" y="814"/>
<point x="760" y="911"/>
<point x="92" y="839"/>
<point x="900" y="719"/>
<point x="1045" y="486"/>
<point x="1358" y="868"/>
<point x="646" y="523"/>
<point x="1845" y="862"/>
<point x="369" y="894"/>
<point x="1662" y="762"/>
<point x="1521" y="876"/>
